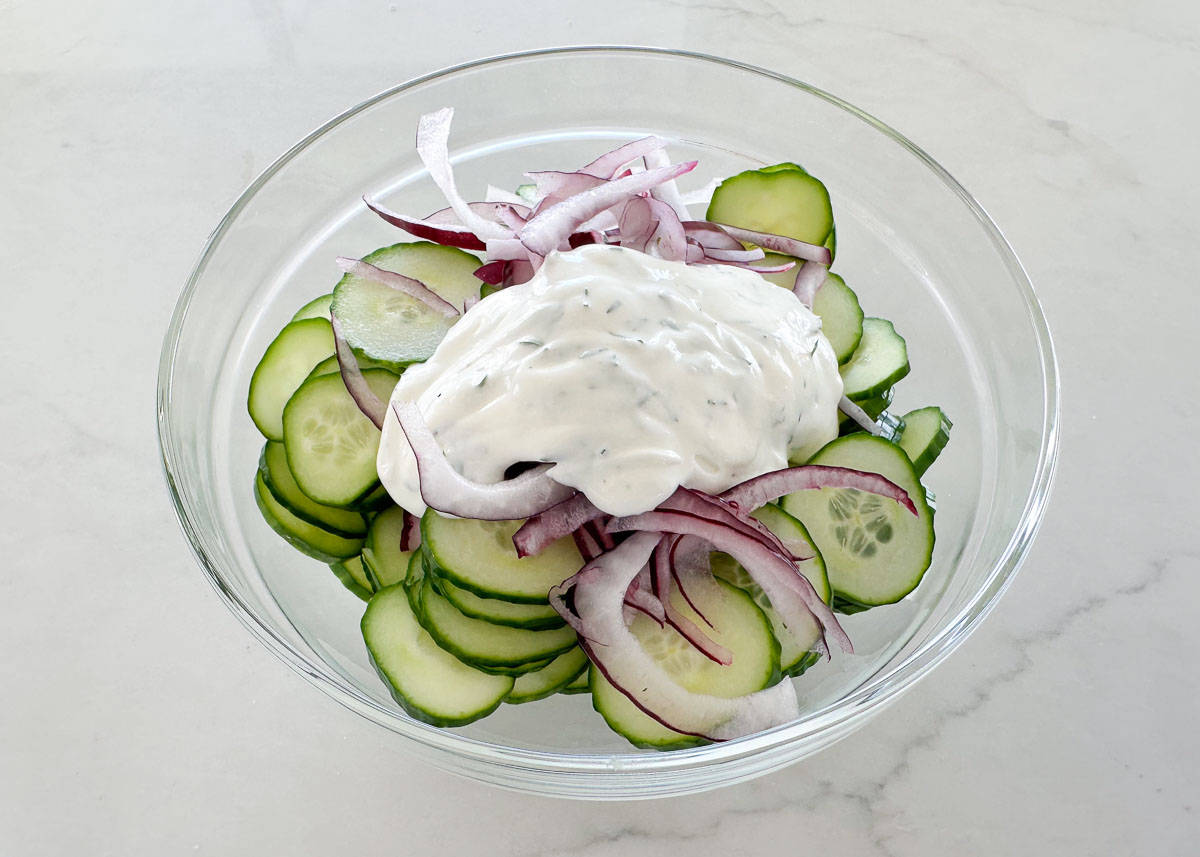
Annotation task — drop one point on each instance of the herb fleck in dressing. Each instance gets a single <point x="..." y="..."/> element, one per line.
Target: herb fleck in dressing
<point x="634" y="375"/>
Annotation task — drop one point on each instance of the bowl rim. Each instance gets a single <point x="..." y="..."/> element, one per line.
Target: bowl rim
<point x="857" y="705"/>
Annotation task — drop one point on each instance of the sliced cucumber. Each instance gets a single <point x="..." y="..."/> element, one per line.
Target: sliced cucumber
<point x="429" y="683"/>
<point x="841" y="316"/>
<point x="795" y="647"/>
<point x="376" y="501"/>
<point x="299" y="347"/>
<point x="738" y="625"/>
<point x="353" y="576"/>
<point x="782" y="199"/>
<point x="479" y="556"/>
<point x="535" y="617"/>
<point x="879" y="361"/>
<point x="331" y="446"/>
<point x="550" y="679"/>
<point x="386" y="563"/>
<point x="875" y="550"/>
<point x="482" y="644"/>
<point x="926" y="433"/>
<point x="580" y="684"/>
<point x="316" y="308"/>
<point x="874" y="406"/>
<point x="280" y="482"/>
<point x="307" y="538"/>
<point x="392" y="327"/>
<point x="330" y="366"/>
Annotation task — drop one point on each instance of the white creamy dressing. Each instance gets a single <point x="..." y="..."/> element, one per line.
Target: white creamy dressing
<point x="632" y="374"/>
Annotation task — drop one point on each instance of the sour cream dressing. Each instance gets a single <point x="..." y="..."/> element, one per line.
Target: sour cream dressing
<point x="634" y="375"/>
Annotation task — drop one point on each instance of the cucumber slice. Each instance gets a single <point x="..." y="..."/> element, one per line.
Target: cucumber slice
<point x="389" y="326"/>
<point x="926" y="433"/>
<point x="482" y="644"/>
<point x="580" y="684"/>
<point x="353" y="576"/>
<point x="874" y="406"/>
<point x="783" y="199"/>
<point x="739" y="626"/>
<point x="875" y="550"/>
<point x="283" y="367"/>
<point x="316" y="308"/>
<point x="880" y="360"/>
<point x="535" y="617"/>
<point x="795" y="646"/>
<point x="428" y="682"/>
<point x="376" y="501"/>
<point x="841" y="316"/>
<point x="330" y="366"/>
<point x="282" y="485"/>
<point x="550" y="679"/>
<point x="479" y="556"/>
<point x="331" y="446"/>
<point x="386" y="563"/>
<point x="307" y="538"/>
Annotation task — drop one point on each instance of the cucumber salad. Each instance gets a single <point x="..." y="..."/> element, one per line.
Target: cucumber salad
<point x="574" y="439"/>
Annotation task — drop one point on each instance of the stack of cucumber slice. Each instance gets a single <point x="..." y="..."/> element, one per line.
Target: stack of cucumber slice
<point x="458" y="624"/>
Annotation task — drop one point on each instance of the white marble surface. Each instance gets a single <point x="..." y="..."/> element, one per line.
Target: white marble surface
<point x="139" y="718"/>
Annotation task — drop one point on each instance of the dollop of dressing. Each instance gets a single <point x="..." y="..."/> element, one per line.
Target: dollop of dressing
<point x="632" y="374"/>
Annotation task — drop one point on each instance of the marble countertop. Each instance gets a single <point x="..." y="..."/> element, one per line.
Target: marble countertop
<point x="139" y="718"/>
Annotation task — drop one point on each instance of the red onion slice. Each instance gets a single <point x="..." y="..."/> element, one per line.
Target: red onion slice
<point x="687" y="629"/>
<point x="548" y="230"/>
<point x="854" y="412"/>
<point x="607" y="165"/>
<point x="373" y="407"/>
<point x="810" y="277"/>
<point x="586" y="544"/>
<point x="547" y="527"/>
<point x="739" y="255"/>
<point x="781" y="244"/>
<point x="720" y="512"/>
<point x="668" y="240"/>
<point x="554" y="186"/>
<point x="668" y="191"/>
<point x="445" y="489"/>
<point x="399" y="282"/>
<point x="592" y="602"/>
<point x="439" y="233"/>
<point x="498" y="194"/>
<point x="760" y="490"/>
<point x="788" y="590"/>
<point x="433" y="139"/>
<point x="492" y="273"/>
<point x="497" y="212"/>
<point x="710" y="235"/>
<point x="410" y="531"/>
<point x="505" y="249"/>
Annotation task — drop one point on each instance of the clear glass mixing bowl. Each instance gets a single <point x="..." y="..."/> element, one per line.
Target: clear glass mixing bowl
<point x="913" y="243"/>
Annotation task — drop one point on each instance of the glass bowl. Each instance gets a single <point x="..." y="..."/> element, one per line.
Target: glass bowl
<point x="913" y="243"/>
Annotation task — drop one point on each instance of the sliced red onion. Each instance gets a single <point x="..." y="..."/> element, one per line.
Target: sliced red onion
<point x="410" y="531"/>
<point x="788" y="590"/>
<point x="445" y="489"/>
<point x="636" y="223"/>
<point x="668" y="240"/>
<point x="519" y="271"/>
<point x="687" y="629"/>
<point x="765" y="269"/>
<point x="547" y="527"/>
<point x="689" y="560"/>
<point x="781" y="244"/>
<point x="548" y="230"/>
<point x="554" y="186"/>
<point x="710" y="235"/>
<point x="603" y="536"/>
<point x="810" y="277"/>
<point x="506" y="249"/>
<point x="469" y="302"/>
<point x="433" y="138"/>
<point x="720" y="512"/>
<point x="492" y="273"/>
<point x="373" y="408"/>
<point x="701" y="196"/>
<point x="399" y="282"/>
<point x="607" y="165"/>
<point x="498" y="194"/>
<point x="739" y="255"/>
<point x="510" y="217"/>
<point x="668" y="191"/>
<point x="586" y="544"/>
<point x="439" y="233"/>
<point x="760" y="490"/>
<point x="497" y="212"/>
<point x="640" y="597"/>
<point x="579" y="239"/>
<point x="854" y="412"/>
<point x="592" y="601"/>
